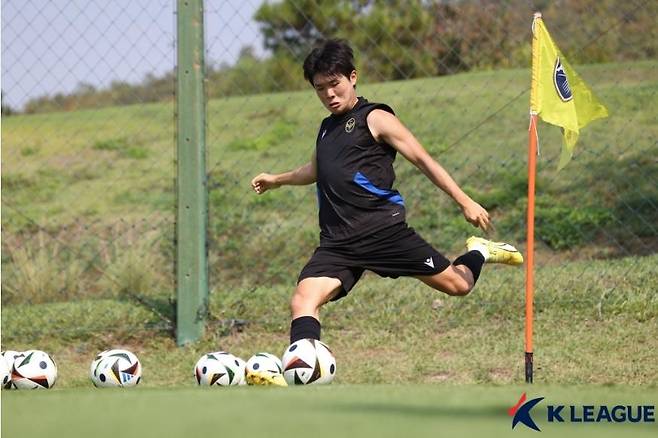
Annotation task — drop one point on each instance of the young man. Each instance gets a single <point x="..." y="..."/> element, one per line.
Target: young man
<point x="362" y="218"/>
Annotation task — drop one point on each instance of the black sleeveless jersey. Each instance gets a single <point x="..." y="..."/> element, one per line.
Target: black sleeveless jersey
<point x="355" y="178"/>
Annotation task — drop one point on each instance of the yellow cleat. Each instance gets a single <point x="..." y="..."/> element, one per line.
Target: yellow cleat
<point x="265" y="379"/>
<point x="495" y="252"/>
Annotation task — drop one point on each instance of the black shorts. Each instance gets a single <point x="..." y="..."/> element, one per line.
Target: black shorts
<point x="396" y="251"/>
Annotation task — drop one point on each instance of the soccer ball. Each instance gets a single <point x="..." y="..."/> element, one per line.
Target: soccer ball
<point x="242" y="365"/>
<point x="9" y="356"/>
<point x="35" y="370"/>
<point x="264" y="362"/>
<point x="100" y="356"/>
<point x="218" y="369"/>
<point x="115" y="368"/>
<point x="308" y="361"/>
<point x="96" y="361"/>
<point x="5" y="373"/>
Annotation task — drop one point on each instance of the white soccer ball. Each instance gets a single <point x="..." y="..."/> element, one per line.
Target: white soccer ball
<point x="308" y="361"/>
<point x="34" y="369"/>
<point x="9" y="356"/>
<point x="242" y="370"/>
<point x="217" y="369"/>
<point x="5" y="373"/>
<point x="115" y="368"/>
<point x="96" y="361"/>
<point x="264" y="362"/>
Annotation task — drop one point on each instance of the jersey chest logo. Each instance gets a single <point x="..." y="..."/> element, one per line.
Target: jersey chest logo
<point x="349" y="126"/>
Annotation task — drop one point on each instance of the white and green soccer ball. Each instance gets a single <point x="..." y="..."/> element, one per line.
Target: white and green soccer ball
<point x="264" y="362"/>
<point x="308" y="362"/>
<point x="115" y="368"/>
<point x="34" y="369"/>
<point x="219" y="368"/>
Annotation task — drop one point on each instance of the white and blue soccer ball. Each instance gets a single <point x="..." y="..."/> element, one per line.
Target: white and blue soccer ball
<point x="115" y="368"/>
<point x="264" y="362"/>
<point x="308" y="362"/>
<point x="219" y="368"/>
<point x="34" y="369"/>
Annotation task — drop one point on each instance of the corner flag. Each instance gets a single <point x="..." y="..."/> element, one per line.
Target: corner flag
<point x="558" y="95"/>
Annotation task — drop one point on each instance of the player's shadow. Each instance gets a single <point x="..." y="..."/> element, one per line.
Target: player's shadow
<point x="491" y="411"/>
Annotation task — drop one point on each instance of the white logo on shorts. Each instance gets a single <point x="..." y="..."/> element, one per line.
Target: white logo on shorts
<point x="429" y="262"/>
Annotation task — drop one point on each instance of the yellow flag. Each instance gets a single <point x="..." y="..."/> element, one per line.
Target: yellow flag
<point x="558" y="95"/>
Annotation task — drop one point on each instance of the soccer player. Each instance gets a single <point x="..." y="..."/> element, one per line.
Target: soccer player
<point x="362" y="217"/>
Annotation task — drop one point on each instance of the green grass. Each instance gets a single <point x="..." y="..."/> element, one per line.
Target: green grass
<point x="387" y="331"/>
<point x="330" y="411"/>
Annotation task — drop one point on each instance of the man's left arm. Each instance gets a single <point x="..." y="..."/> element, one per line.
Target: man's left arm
<point x="386" y="128"/>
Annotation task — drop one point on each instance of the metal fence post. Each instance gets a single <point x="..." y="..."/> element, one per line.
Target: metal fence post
<point x="192" y="204"/>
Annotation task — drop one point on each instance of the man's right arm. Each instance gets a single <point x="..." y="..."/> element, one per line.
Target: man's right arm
<point x="307" y="174"/>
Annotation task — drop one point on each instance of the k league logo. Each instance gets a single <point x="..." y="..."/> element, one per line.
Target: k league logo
<point x="620" y="413"/>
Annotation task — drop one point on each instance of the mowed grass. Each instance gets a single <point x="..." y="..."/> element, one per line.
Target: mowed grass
<point x="330" y="411"/>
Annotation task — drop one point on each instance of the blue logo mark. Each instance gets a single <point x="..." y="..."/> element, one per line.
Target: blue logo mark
<point x="521" y="412"/>
<point x="561" y="82"/>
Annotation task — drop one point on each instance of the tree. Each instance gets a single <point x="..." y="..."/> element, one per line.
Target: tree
<point x="6" y="109"/>
<point x="391" y="36"/>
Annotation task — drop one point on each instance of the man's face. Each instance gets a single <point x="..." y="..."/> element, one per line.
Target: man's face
<point x="336" y="92"/>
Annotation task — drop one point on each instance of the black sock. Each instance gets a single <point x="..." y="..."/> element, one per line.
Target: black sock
<point x="304" y="327"/>
<point x="473" y="260"/>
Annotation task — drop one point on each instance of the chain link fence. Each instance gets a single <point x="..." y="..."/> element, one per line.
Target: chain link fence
<point x="88" y="188"/>
<point x="88" y="172"/>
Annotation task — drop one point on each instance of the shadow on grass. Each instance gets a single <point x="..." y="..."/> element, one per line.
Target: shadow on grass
<point x="386" y="409"/>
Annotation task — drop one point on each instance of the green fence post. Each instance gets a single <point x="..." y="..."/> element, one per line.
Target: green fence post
<point x="192" y="204"/>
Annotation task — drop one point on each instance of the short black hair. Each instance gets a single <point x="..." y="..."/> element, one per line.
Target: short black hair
<point x="333" y="57"/>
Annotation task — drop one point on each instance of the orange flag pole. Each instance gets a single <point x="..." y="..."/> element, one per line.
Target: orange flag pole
<point x="532" y="170"/>
<point x="529" y="293"/>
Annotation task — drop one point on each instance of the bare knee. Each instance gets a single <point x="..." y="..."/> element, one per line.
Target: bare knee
<point x="452" y="281"/>
<point x="459" y="288"/>
<point x="311" y="294"/>
<point x="303" y="302"/>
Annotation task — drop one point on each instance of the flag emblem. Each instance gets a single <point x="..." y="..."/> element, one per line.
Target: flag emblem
<point x="561" y="82"/>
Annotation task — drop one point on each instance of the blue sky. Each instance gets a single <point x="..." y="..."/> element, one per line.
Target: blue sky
<point x="51" y="46"/>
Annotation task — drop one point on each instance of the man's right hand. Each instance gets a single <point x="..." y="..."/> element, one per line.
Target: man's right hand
<point x="264" y="182"/>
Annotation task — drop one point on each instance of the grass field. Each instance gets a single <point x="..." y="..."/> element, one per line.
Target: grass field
<point x="331" y="411"/>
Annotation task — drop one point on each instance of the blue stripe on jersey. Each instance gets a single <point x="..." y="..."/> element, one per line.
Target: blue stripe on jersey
<point x="390" y="195"/>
